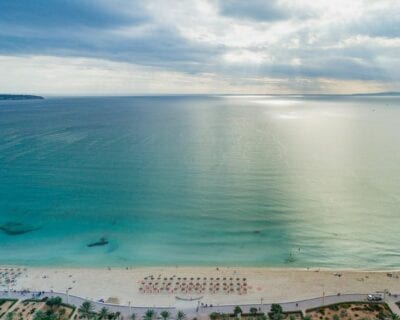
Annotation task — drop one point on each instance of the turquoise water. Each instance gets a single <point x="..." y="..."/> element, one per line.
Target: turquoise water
<point x="197" y="180"/>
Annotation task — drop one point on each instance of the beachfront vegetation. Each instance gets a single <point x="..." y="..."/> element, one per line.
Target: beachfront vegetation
<point x="237" y="310"/>
<point x="54" y="303"/>
<point x="10" y="316"/>
<point x="351" y="310"/>
<point x="180" y="316"/>
<point x="5" y="305"/>
<point x="165" y="315"/>
<point x="133" y="316"/>
<point x="253" y="311"/>
<point x="276" y="312"/>
<point x="45" y="309"/>
<point x="103" y="314"/>
<point x="40" y="315"/>
<point x="214" y="315"/>
<point x="232" y="316"/>
<point x="150" y="315"/>
<point x="276" y="308"/>
<point x="86" y="309"/>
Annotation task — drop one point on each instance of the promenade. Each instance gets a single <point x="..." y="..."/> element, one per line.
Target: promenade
<point x="194" y="309"/>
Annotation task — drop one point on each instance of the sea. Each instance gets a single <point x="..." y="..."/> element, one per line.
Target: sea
<point x="207" y="180"/>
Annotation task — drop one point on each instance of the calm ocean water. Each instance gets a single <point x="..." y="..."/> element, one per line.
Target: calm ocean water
<point x="245" y="180"/>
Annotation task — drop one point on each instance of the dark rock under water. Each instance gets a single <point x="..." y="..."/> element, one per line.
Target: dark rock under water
<point x="16" y="228"/>
<point x="101" y="242"/>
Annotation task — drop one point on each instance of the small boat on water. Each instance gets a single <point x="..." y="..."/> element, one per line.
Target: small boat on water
<point x="102" y="242"/>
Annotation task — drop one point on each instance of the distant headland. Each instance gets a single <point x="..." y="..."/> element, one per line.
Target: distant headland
<point x="19" y="97"/>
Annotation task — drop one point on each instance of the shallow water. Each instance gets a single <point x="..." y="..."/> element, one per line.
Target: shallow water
<point x="197" y="180"/>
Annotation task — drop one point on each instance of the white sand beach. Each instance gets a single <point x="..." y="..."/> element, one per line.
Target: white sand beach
<point x="272" y="285"/>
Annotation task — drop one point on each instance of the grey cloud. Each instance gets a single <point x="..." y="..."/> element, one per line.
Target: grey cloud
<point x="162" y="46"/>
<point x="260" y="10"/>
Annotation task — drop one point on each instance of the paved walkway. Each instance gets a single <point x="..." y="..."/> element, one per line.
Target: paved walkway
<point x="393" y="306"/>
<point x="191" y="309"/>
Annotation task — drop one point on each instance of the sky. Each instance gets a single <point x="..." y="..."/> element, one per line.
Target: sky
<point x="123" y="47"/>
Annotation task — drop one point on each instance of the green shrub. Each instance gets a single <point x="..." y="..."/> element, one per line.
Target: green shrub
<point x="237" y="310"/>
<point x="276" y="308"/>
<point x="214" y="315"/>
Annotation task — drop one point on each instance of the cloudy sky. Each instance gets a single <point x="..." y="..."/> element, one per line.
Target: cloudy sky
<point x="96" y="47"/>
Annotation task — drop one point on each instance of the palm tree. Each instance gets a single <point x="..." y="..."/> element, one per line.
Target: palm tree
<point x="86" y="309"/>
<point x="165" y="314"/>
<point x="132" y="317"/>
<point x="103" y="313"/>
<point x="180" y="316"/>
<point x="54" y="303"/>
<point x="253" y="310"/>
<point x="117" y="315"/>
<point x="149" y="315"/>
<point x="237" y="311"/>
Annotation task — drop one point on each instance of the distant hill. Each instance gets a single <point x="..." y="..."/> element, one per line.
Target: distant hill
<point x="390" y="93"/>
<point x="19" y="97"/>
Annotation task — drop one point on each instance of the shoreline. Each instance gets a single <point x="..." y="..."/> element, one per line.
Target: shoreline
<point x="137" y="267"/>
<point x="270" y="284"/>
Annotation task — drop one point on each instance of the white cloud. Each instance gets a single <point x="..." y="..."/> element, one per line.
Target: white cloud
<point x="84" y="76"/>
<point x="49" y="75"/>
<point x="58" y="75"/>
<point x="246" y="57"/>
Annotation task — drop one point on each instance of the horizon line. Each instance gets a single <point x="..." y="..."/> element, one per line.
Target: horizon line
<point x="382" y="93"/>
